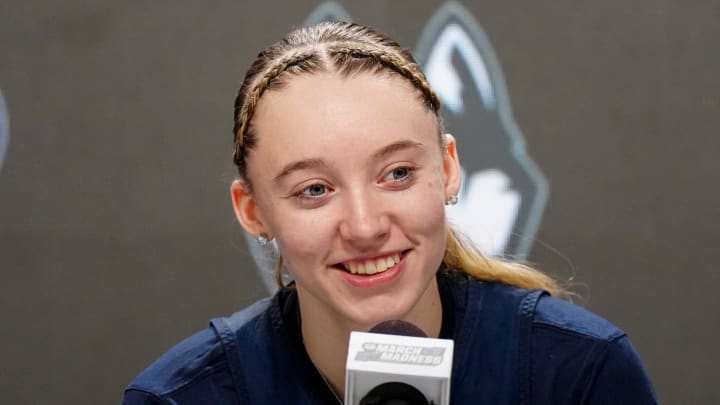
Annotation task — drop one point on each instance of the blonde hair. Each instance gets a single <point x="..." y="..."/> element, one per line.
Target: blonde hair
<point x="348" y="48"/>
<point x="462" y="255"/>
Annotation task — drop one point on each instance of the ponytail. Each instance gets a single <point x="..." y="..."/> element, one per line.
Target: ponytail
<point x="462" y="256"/>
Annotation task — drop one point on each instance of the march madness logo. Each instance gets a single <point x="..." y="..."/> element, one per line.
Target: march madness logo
<point x="401" y="354"/>
<point x="504" y="193"/>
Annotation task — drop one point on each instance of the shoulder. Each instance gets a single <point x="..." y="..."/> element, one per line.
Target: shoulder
<point x="563" y="352"/>
<point x="575" y="353"/>
<point x="197" y="364"/>
<point x="564" y="316"/>
<point x="542" y="310"/>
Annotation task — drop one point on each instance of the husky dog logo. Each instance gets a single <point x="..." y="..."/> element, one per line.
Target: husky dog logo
<point x="4" y="129"/>
<point x="504" y="193"/>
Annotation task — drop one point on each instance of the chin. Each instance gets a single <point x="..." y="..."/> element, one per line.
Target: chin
<point x="367" y="319"/>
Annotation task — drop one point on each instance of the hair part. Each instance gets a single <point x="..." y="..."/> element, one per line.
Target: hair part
<point x="339" y="47"/>
<point x="349" y="49"/>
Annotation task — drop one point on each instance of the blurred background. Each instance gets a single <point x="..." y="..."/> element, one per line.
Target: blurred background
<point x="117" y="237"/>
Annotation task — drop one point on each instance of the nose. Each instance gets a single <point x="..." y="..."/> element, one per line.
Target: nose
<point x="365" y="222"/>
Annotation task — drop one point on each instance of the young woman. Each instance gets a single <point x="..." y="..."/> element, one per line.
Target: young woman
<point x="344" y="163"/>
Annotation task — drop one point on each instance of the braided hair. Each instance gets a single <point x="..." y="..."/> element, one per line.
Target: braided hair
<point x="347" y="48"/>
<point x="343" y="47"/>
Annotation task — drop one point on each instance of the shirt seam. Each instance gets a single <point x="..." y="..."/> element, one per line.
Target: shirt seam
<point x="152" y="395"/>
<point x="616" y="333"/>
<point x="180" y="386"/>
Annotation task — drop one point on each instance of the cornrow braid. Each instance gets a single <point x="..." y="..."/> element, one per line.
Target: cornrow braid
<point x="245" y="104"/>
<point x="391" y="60"/>
<point x="341" y="47"/>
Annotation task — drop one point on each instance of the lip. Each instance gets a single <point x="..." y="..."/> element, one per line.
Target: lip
<point x="378" y="279"/>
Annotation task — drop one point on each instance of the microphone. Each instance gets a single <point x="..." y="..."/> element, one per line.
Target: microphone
<point x="395" y="363"/>
<point x="399" y="328"/>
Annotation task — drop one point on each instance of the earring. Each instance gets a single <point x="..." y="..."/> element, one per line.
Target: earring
<point x="452" y="200"/>
<point x="262" y="239"/>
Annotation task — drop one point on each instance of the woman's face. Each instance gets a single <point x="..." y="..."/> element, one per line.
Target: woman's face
<point x="349" y="177"/>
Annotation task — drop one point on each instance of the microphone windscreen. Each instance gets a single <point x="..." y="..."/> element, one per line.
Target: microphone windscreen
<point x="398" y="327"/>
<point x="393" y="362"/>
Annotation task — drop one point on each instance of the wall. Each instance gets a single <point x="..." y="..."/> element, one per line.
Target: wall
<point x="116" y="233"/>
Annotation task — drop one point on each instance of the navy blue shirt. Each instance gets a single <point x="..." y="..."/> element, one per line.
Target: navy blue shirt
<point x="512" y="346"/>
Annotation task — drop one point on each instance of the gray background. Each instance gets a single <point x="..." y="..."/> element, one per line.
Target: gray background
<point x="117" y="236"/>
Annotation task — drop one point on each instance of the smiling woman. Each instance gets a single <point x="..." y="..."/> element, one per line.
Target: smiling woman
<point x="343" y="162"/>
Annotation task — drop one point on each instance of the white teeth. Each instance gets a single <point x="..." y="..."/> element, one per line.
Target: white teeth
<point x="381" y="265"/>
<point x="372" y="267"/>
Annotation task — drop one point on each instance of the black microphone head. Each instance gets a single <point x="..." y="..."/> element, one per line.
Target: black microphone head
<point x="394" y="393"/>
<point x="398" y="327"/>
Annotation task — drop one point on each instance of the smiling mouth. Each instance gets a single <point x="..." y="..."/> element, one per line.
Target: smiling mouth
<point x="373" y="266"/>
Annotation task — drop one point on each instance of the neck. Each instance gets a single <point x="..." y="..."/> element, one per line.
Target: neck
<point x="326" y="335"/>
<point x="328" y="351"/>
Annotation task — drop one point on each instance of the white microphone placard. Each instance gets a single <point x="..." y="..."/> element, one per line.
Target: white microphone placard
<point x="416" y="363"/>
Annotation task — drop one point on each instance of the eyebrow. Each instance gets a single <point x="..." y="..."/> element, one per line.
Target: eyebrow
<point x="395" y="147"/>
<point x="314" y="163"/>
<point x="300" y="165"/>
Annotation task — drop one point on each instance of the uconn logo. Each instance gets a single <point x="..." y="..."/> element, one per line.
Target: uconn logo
<point x="504" y="193"/>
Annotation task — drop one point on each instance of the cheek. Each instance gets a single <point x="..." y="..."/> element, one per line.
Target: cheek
<point x="303" y="237"/>
<point x="424" y="213"/>
<point x="299" y="234"/>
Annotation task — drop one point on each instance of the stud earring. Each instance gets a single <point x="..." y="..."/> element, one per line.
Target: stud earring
<point x="452" y="200"/>
<point x="262" y="239"/>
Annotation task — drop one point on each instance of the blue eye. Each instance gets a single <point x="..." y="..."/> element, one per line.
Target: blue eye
<point x="313" y="191"/>
<point x="399" y="174"/>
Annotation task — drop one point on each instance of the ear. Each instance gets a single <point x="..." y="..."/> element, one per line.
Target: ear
<point x="451" y="167"/>
<point x="246" y="209"/>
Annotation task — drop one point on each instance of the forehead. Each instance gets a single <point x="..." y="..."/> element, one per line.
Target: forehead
<point x="327" y="109"/>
